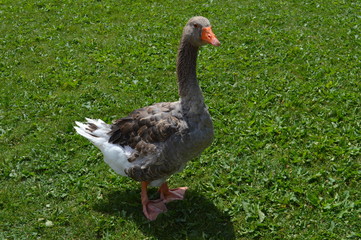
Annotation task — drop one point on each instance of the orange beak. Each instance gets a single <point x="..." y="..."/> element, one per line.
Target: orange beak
<point x="209" y="37"/>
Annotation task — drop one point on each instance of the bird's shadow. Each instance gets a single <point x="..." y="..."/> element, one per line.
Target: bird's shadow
<point x="193" y="218"/>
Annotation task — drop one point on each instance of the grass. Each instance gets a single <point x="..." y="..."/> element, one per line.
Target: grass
<point x="283" y="90"/>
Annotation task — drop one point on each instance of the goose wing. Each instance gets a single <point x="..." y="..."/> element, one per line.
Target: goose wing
<point x="145" y="128"/>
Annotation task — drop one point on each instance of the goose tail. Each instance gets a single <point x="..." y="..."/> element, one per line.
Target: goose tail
<point x="97" y="132"/>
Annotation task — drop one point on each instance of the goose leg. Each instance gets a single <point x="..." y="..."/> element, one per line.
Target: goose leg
<point x="151" y="208"/>
<point x="168" y="195"/>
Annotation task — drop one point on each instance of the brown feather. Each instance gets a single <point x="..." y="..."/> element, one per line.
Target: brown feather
<point x="145" y="127"/>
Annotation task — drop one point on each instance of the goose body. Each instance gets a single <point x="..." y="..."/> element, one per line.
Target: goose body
<point x="154" y="142"/>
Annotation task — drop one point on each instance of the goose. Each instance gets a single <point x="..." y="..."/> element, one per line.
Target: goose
<point x="154" y="142"/>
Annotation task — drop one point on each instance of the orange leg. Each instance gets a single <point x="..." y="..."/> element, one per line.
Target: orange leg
<point x="151" y="208"/>
<point x="168" y="195"/>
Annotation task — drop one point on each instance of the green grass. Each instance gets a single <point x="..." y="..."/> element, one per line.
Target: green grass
<point x="283" y="90"/>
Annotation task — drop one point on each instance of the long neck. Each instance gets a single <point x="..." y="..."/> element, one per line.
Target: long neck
<point x="189" y="90"/>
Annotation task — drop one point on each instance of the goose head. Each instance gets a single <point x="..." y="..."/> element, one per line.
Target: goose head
<point x="198" y="32"/>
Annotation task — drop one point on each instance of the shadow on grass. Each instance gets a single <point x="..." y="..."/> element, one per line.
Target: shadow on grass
<point x="193" y="218"/>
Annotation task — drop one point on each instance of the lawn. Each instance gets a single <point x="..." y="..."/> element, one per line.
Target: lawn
<point x="283" y="89"/>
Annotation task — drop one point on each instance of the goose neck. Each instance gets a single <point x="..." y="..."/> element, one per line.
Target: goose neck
<point x="189" y="90"/>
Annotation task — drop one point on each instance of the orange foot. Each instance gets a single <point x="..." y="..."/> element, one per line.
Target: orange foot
<point x="168" y="195"/>
<point x="152" y="208"/>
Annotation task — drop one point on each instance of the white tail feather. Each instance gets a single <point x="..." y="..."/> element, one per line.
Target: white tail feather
<point x="84" y="130"/>
<point x="115" y="156"/>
